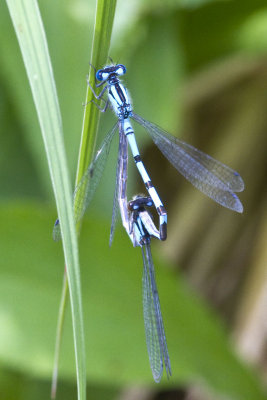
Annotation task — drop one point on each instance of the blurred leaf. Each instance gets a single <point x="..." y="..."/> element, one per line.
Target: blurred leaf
<point x="29" y="295"/>
<point x="210" y="32"/>
<point x="18" y="175"/>
<point x="19" y="386"/>
<point x="148" y="69"/>
<point x="197" y="3"/>
<point x="253" y="34"/>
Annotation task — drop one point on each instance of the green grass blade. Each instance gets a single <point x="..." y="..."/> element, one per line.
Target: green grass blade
<point x="100" y="50"/>
<point x="104" y="18"/>
<point x="31" y="37"/>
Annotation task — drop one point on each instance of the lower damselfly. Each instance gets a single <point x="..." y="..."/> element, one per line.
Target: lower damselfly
<point x="141" y="229"/>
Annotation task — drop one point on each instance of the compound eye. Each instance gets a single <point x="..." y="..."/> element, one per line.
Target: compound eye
<point x="121" y="69"/>
<point x="99" y="75"/>
<point x="149" y="203"/>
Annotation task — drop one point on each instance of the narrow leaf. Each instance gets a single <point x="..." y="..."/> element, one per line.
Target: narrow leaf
<point x="30" y="33"/>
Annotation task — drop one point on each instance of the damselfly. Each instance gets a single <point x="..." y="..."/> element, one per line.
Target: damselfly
<point x="141" y="230"/>
<point x="213" y="178"/>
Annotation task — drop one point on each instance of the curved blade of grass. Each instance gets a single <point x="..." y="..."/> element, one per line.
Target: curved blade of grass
<point x="105" y="11"/>
<point x="30" y="33"/>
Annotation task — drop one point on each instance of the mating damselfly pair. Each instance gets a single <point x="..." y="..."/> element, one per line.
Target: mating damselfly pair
<point x="213" y="178"/>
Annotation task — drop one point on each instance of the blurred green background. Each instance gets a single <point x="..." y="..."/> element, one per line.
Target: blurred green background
<point x="198" y="69"/>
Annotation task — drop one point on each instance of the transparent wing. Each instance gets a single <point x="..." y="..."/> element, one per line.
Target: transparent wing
<point x="120" y="195"/>
<point x="115" y="198"/>
<point x="210" y="176"/>
<point x="154" y="329"/>
<point x="114" y="215"/>
<point x="85" y="189"/>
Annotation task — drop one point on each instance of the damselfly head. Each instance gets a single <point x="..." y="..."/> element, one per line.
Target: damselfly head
<point x="105" y="73"/>
<point x="139" y="202"/>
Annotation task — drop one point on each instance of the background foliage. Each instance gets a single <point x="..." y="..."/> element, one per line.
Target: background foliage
<point x="198" y="69"/>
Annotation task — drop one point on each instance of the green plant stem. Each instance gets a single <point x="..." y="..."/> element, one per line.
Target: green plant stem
<point x="105" y="12"/>
<point x="101" y="42"/>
